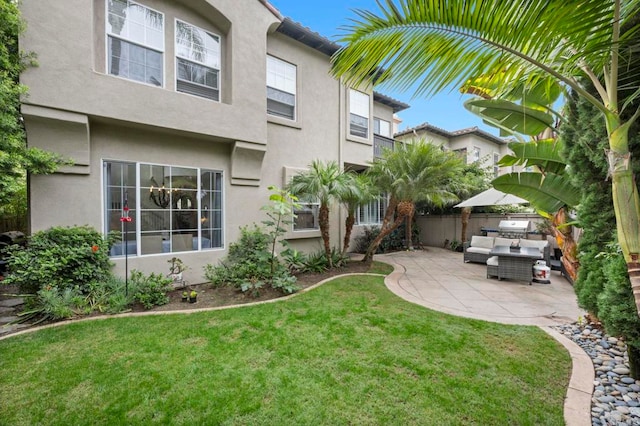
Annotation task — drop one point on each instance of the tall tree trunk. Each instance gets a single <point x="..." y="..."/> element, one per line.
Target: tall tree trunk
<point x="626" y="201"/>
<point x="464" y="216"/>
<point x="351" y="220"/>
<point x="386" y="223"/>
<point x="406" y="209"/>
<point x="323" y="220"/>
<point x="368" y="257"/>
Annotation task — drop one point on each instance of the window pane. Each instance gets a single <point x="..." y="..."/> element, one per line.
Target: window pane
<point x="136" y="23"/>
<point x="197" y="45"/>
<point x="359" y="103"/>
<point x="134" y="62"/>
<point x="155" y="220"/>
<point x="359" y="126"/>
<point x="307" y="217"/>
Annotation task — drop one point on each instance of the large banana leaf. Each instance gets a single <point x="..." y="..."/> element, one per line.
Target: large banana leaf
<point x="543" y="153"/>
<point x="511" y="116"/>
<point x="548" y="192"/>
<point x="538" y="91"/>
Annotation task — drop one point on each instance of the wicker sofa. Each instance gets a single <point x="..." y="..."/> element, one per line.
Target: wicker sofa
<point x="477" y="250"/>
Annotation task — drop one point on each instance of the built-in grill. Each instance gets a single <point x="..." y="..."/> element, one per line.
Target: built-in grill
<point x="513" y="228"/>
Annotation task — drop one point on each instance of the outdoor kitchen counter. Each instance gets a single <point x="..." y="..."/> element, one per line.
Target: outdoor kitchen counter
<point x="516" y="265"/>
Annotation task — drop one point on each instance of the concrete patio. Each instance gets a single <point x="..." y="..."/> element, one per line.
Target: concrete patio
<point x="438" y="279"/>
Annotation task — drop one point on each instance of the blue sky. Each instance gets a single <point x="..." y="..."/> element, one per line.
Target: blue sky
<point x="444" y="110"/>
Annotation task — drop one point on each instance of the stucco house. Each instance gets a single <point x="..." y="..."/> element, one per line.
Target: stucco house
<point x="472" y="143"/>
<point x="186" y="111"/>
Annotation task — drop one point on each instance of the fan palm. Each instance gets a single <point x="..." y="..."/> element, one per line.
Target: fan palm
<point x="326" y="183"/>
<point x="440" y="43"/>
<point x="415" y="171"/>
<point x="361" y="191"/>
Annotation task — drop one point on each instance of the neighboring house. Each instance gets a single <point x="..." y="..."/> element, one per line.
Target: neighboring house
<point x="472" y="144"/>
<point x="187" y="111"/>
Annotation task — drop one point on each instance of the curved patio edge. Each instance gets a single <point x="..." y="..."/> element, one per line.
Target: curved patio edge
<point x="577" y="403"/>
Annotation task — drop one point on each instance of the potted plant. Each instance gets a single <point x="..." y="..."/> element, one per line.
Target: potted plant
<point x="193" y="296"/>
<point x="176" y="269"/>
<point x="185" y="296"/>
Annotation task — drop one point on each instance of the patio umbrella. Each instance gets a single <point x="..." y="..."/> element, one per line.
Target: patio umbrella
<point x="491" y="197"/>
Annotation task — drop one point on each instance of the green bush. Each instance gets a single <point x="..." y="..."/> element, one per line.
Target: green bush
<point x="150" y="290"/>
<point x="317" y="262"/>
<point x="248" y="266"/>
<point x="392" y="242"/>
<point x="51" y="303"/>
<point x="60" y="257"/>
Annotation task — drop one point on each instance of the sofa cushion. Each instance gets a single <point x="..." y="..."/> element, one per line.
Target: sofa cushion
<point x="540" y="245"/>
<point x="481" y="242"/>
<point x="480" y="250"/>
<point x="506" y="241"/>
<point x="492" y="261"/>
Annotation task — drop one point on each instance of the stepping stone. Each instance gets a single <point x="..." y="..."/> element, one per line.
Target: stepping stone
<point x="6" y="320"/>
<point x="6" y="329"/>
<point x="11" y="303"/>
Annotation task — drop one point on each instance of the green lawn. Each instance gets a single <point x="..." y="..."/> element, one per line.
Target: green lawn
<point x="348" y="352"/>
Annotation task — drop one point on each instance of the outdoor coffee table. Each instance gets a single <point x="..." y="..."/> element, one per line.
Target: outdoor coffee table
<point x="516" y="265"/>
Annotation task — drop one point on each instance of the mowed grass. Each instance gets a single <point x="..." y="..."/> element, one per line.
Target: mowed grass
<point x="348" y="352"/>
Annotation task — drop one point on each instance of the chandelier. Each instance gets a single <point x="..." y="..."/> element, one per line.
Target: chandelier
<point x="161" y="197"/>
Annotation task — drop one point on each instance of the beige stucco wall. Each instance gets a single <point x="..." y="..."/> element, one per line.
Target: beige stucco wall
<point x="68" y="37"/>
<point x="435" y="229"/>
<point x="75" y="108"/>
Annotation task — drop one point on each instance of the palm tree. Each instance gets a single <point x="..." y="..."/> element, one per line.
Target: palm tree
<point x="414" y="171"/>
<point x="361" y="191"/>
<point x="439" y="43"/>
<point x="327" y="184"/>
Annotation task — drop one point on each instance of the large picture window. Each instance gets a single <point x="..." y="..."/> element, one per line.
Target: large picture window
<point x="281" y="88"/>
<point x="174" y="209"/>
<point x="135" y="39"/>
<point x="197" y="61"/>
<point x="358" y="114"/>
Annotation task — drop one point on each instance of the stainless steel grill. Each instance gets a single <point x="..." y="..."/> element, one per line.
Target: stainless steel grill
<point x="513" y="228"/>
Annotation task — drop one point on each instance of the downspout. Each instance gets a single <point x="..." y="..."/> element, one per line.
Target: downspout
<point x="341" y="129"/>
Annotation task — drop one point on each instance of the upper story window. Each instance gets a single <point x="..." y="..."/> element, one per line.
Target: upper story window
<point x="476" y="153"/>
<point x="496" y="168"/>
<point x="135" y="38"/>
<point x="358" y="114"/>
<point x="281" y="88"/>
<point x="462" y="153"/>
<point x="197" y="61"/>
<point x="381" y="127"/>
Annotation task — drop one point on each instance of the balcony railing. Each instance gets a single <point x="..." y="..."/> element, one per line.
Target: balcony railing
<point x="380" y="143"/>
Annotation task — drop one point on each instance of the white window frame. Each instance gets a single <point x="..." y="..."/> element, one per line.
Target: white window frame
<point x="376" y="209"/>
<point x="358" y="103"/>
<point x="476" y="154"/>
<point x="133" y="41"/>
<point x="496" y="167"/>
<point x="282" y="76"/>
<point x="307" y="206"/>
<point x="216" y="66"/>
<point x="377" y="127"/>
<point x="137" y="209"/>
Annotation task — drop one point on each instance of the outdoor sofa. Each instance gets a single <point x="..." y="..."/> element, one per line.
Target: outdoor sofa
<point x="477" y="250"/>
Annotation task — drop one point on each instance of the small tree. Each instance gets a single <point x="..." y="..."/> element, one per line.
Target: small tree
<point x="15" y="157"/>
<point x="415" y="171"/>
<point x="361" y="191"/>
<point x="327" y="184"/>
<point x="280" y="213"/>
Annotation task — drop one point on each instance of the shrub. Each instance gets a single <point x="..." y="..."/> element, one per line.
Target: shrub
<point x="249" y="267"/>
<point x="60" y="257"/>
<point x="317" y="262"/>
<point x="150" y="290"/>
<point x="392" y="242"/>
<point x="51" y="303"/>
